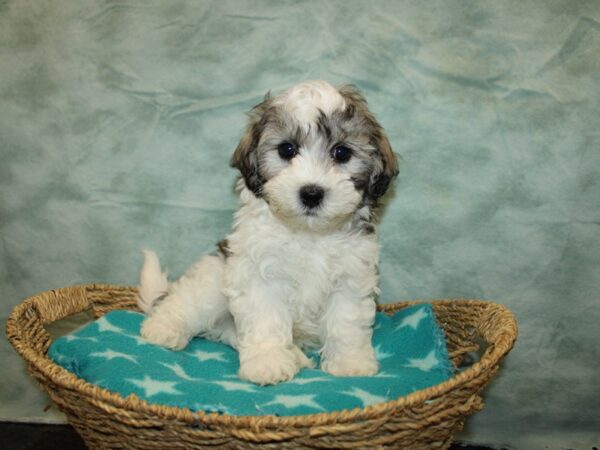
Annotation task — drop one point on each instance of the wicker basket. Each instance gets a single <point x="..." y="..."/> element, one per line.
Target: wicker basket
<point x="426" y="419"/>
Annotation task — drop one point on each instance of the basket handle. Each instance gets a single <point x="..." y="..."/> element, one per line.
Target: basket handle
<point x="60" y="303"/>
<point x="499" y="327"/>
<point x="25" y="325"/>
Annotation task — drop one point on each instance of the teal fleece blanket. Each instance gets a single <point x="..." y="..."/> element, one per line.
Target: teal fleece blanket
<point x="110" y="353"/>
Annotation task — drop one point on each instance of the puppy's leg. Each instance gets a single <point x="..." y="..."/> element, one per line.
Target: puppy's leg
<point x="264" y="330"/>
<point x="347" y="328"/>
<point x="193" y="305"/>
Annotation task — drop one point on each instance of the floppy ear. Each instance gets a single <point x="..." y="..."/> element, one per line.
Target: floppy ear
<point x="245" y="157"/>
<point x="386" y="169"/>
<point x="385" y="164"/>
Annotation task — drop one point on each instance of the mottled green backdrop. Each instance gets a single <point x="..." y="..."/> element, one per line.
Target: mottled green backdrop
<point x="117" y="120"/>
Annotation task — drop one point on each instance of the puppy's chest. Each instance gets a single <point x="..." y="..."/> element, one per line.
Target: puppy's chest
<point x="304" y="269"/>
<point x="308" y="268"/>
<point x="309" y="271"/>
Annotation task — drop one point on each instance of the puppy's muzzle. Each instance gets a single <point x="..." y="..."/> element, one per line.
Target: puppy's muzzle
<point x="312" y="195"/>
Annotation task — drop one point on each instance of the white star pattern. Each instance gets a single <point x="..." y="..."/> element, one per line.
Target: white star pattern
<point x="302" y="381"/>
<point x="72" y="337"/>
<point x="152" y="387"/>
<point x="294" y="401"/>
<point x="110" y="354"/>
<point x="208" y="356"/>
<point x="58" y="357"/>
<point x="139" y="340"/>
<point x="380" y="354"/>
<point x="105" y="325"/>
<point x="236" y="386"/>
<point x="413" y="320"/>
<point x="179" y="371"/>
<point x="365" y="397"/>
<point x="384" y="375"/>
<point x="425" y="364"/>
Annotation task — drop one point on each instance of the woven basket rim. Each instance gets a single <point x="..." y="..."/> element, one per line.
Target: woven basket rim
<point x="113" y="402"/>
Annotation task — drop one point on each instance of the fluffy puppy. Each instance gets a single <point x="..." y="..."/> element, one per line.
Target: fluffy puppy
<point x="299" y="269"/>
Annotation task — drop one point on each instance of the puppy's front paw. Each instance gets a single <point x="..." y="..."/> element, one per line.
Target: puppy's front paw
<point x="272" y="366"/>
<point x="355" y="366"/>
<point x="166" y="335"/>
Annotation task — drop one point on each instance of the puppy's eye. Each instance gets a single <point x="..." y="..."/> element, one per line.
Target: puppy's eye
<point x="286" y="150"/>
<point x="341" y="154"/>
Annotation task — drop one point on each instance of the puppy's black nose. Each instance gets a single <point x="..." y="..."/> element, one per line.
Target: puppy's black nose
<point x="311" y="195"/>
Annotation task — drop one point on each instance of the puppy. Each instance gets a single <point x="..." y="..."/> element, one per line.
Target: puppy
<point x="299" y="269"/>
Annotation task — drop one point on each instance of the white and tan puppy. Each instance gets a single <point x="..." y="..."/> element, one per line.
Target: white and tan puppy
<point x="299" y="269"/>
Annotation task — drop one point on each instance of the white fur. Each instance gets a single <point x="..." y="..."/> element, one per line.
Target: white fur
<point x="292" y="281"/>
<point x="304" y="100"/>
<point x="153" y="282"/>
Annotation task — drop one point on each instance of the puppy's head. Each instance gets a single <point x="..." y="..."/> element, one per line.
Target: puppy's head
<point x="315" y="154"/>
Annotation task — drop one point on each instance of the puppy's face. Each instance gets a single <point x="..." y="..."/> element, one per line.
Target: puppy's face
<point x="316" y="155"/>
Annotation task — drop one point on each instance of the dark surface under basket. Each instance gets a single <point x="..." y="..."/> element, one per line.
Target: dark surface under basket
<point x="426" y="419"/>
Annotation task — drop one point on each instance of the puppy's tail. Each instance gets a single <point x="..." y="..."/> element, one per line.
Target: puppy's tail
<point x="153" y="282"/>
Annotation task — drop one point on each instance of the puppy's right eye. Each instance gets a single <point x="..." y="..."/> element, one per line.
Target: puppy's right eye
<point x="287" y="150"/>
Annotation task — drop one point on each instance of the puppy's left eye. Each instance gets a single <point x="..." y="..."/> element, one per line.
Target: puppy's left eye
<point x="341" y="154"/>
<point x="286" y="150"/>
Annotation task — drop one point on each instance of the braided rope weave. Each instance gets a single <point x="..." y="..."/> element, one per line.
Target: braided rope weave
<point x="425" y="419"/>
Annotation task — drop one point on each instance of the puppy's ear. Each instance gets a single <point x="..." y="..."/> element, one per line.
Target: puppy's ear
<point x="385" y="169"/>
<point x="385" y="163"/>
<point x="245" y="157"/>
